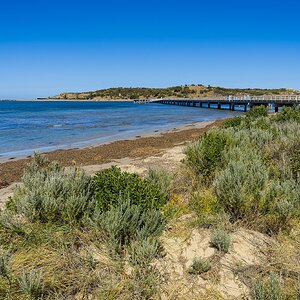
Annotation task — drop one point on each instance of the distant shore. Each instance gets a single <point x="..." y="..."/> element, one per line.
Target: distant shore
<point x="135" y="147"/>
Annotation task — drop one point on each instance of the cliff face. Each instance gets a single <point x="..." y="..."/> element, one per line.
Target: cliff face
<point x="187" y="91"/>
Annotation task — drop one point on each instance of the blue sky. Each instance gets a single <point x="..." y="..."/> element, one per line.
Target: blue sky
<point x="48" y="47"/>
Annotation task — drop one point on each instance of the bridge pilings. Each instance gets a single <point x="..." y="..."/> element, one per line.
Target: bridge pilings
<point x="232" y="103"/>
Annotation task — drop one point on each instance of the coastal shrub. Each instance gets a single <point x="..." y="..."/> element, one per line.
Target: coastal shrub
<point x="269" y="290"/>
<point x="205" y="155"/>
<point x="288" y="114"/>
<point x="199" y="266"/>
<point x="281" y="206"/>
<point x="257" y="112"/>
<point x="206" y="206"/>
<point x="142" y="252"/>
<point x="220" y="240"/>
<point x="295" y="161"/>
<point x="232" y="122"/>
<point x="11" y="224"/>
<point x="161" y="179"/>
<point x="175" y="207"/>
<point x="111" y="184"/>
<point x="49" y="194"/>
<point x="4" y="264"/>
<point x="239" y="187"/>
<point x="252" y="138"/>
<point x="31" y="284"/>
<point x="128" y="222"/>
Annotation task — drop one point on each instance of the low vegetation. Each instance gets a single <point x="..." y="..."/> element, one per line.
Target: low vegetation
<point x="199" y="266"/>
<point x="220" y="240"/>
<point x="182" y="91"/>
<point x="67" y="235"/>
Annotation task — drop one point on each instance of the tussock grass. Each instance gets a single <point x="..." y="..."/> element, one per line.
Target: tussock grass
<point x="220" y="239"/>
<point x="199" y="266"/>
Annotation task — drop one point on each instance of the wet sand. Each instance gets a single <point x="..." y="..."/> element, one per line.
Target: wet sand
<point x="138" y="147"/>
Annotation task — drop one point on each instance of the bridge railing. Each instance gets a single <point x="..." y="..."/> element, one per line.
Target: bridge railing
<point x="264" y="98"/>
<point x="243" y="98"/>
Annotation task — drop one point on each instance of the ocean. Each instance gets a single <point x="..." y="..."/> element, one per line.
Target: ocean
<point x="42" y="126"/>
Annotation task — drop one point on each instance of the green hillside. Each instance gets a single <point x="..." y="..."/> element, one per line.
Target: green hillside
<point x="186" y="91"/>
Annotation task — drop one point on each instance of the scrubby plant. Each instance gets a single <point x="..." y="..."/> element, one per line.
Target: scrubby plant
<point x="199" y="266"/>
<point x="31" y="284"/>
<point x="161" y="179"/>
<point x="288" y="114"/>
<point x="4" y="264"/>
<point x="257" y="112"/>
<point x="269" y="290"/>
<point x="239" y="187"/>
<point x="111" y="184"/>
<point x="49" y="194"/>
<point x="142" y="252"/>
<point x="232" y="122"/>
<point x="205" y="155"/>
<point x="295" y="161"/>
<point x="206" y="206"/>
<point x="128" y="222"/>
<point x="175" y="207"/>
<point x="220" y="240"/>
<point x="281" y="205"/>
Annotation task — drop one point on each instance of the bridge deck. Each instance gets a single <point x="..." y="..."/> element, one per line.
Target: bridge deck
<point x="231" y="101"/>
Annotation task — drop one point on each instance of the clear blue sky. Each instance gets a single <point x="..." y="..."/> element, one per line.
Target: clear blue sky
<point x="51" y="46"/>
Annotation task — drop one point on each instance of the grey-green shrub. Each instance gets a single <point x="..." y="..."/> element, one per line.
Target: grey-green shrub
<point x="4" y="263"/>
<point x="31" y="284"/>
<point x="239" y="187"/>
<point x="281" y="205"/>
<point x="128" y="222"/>
<point x="49" y="194"/>
<point x="220" y="240"/>
<point x="142" y="252"/>
<point x="160" y="179"/>
<point x="269" y="290"/>
<point x="199" y="266"/>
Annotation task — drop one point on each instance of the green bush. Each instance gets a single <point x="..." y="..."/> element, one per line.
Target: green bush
<point x="127" y="222"/>
<point x="220" y="240"/>
<point x="289" y="114"/>
<point x="205" y="156"/>
<point x="199" y="266"/>
<point x="206" y="206"/>
<point x="257" y="112"/>
<point x="232" y="122"/>
<point x="49" y="194"/>
<point x="111" y="184"/>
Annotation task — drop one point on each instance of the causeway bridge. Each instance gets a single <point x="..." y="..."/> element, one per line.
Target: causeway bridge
<point x="231" y="102"/>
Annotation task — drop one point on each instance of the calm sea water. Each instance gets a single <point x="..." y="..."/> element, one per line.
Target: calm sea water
<point x="44" y="126"/>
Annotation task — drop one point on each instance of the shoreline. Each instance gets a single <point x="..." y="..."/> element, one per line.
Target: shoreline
<point x="87" y="145"/>
<point x="142" y="146"/>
